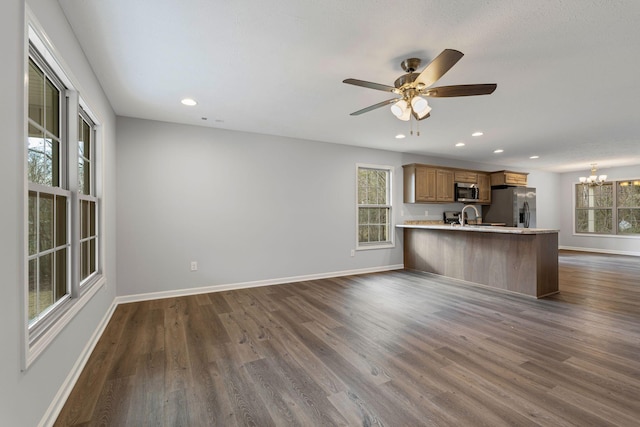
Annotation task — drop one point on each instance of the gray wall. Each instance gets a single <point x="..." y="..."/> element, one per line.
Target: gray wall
<point x="250" y="207"/>
<point x="567" y="238"/>
<point x="25" y="396"/>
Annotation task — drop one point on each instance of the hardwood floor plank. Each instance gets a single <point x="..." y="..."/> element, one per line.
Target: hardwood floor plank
<point x="380" y="349"/>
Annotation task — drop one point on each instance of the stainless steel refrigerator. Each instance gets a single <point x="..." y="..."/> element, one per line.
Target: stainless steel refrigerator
<point x="514" y="206"/>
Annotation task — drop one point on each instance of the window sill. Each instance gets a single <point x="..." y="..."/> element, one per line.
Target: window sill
<point x="390" y="245"/>
<point x="33" y="351"/>
<point x="615" y="236"/>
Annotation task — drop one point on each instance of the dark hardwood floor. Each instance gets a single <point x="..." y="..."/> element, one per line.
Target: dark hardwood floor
<point x="397" y="349"/>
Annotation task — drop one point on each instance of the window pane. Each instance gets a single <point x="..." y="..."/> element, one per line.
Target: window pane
<point x="84" y="265"/>
<point x="629" y="221"/>
<point x="384" y="215"/>
<point x="374" y="233"/>
<point x="52" y="108"/>
<point x="92" y="218"/>
<point x="46" y="228"/>
<point x="92" y="256"/>
<point x="363" y="216"/>
<point x="84" y="219"/>
<point x="86" y="137"/>
<point x="81" y="176"/>
<point x="33" y="288"/>
<point x="363" y="233"/>
<point x="629" y="194"/>
<point x="36" y="93"/>
<point x="52" y="151"/>
<point x="598" y="221"/>
<point x="45" y="288"/>
<point x="61" y="274"/>
<point x="61" y="220"/>
<point x="33" y="226"/>
<point x="374" y="216"/>
<point x="38" y="168"/>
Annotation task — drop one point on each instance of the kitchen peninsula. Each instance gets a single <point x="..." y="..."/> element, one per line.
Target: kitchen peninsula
<point x="520" y="260"/>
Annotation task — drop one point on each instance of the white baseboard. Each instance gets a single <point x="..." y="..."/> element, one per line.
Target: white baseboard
<point x="602" y="251"/>
<point x="254" y="284"/>
<point x="60" y="398"/>
<point x="65" y="389"/>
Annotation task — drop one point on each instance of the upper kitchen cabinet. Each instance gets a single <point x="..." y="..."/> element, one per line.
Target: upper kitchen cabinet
<point x="467" y="177"/>
<point x="419" y="184"/>
<point x="484" y="185"/>
<point x="427" y="184"/>
<point x="444" y="185"/>
<point x="518" y="179"/>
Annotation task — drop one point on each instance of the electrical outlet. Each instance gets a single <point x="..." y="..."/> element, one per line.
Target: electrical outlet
<point x="353" y="252"/>
<point x="194" y="265"/>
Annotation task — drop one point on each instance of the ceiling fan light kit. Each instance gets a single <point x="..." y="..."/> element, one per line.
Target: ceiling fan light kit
<point x="413" y="87"/>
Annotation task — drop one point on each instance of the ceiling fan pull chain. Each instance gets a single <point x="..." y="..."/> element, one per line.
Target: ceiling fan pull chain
<point x="411" y="125"/>
<point x="418" y="127"/>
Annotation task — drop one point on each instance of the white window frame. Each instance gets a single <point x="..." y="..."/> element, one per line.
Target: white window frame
<point x="390" y="243"/>
<point x="38" y="336"/>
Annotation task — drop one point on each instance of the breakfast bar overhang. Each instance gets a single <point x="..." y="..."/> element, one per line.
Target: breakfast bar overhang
<point x="520" y="260"/>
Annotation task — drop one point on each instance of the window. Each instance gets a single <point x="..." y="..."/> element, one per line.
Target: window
<point x="63" y="250"/>
<point x="48" y="201"/>
<point x="86" y="194"/>
<point x="374" y="207"/>
<point x="611" y="208"/>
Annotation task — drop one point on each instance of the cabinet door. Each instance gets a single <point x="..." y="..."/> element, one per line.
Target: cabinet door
<point x="425" y="184"/>
<point x="444" y="188"/>
<point x="515" y="178"/>
<point x="465" y="176"/>
<point x="485" y="189"/>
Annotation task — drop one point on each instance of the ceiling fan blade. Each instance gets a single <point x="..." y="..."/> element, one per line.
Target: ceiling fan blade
<point x="439" y="66"/>
<point x="374" y="106"/>
<point x="460" y="90"/>
<point x="369" y="85"/>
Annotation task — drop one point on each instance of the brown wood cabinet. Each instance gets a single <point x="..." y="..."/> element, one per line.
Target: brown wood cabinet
<point x="444" y="185"/>
<point x="509" y="178"/>
<point x="427" y="184"/>
<point x="484" y="184"/>
<point x="468" y="177"/>
<point x="435" y="184"/>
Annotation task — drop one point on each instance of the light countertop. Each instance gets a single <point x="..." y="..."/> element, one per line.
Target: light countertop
<point x="479" y="228"/>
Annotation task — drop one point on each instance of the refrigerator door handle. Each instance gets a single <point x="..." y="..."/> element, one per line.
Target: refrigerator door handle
<point x="527" y="214"/>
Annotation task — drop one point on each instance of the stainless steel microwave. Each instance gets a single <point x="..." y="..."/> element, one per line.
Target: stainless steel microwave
<point x="467" y="192"/>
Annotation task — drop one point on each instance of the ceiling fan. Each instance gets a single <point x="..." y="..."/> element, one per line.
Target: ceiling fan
<point x="413" y="87"/>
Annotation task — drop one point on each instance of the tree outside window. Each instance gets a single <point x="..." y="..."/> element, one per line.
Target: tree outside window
<point x="374" y="206"/>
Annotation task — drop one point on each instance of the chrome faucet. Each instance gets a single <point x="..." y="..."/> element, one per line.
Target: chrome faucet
<point x="478" y="217"/>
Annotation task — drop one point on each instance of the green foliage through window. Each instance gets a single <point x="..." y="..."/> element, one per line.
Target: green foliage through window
<point x="612" y="208"/>
<point x="374" y="207"/>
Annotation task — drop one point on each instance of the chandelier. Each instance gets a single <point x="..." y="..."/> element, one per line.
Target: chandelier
<point x="594" y="178"/>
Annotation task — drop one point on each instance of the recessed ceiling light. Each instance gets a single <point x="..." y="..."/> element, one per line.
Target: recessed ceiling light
<point x="460" y="144"/>
<point x="189" y="102"/>
<point x="477" y="133"/>
<point x="534" y="157"/>
<point x="499" y="150"/>
<point x="400" y="136"/>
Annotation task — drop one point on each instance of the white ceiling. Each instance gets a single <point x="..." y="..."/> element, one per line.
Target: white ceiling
<point x="566" y="71"/>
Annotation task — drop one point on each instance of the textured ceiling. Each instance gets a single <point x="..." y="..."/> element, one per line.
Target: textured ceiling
<point x="566" y="71"/>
